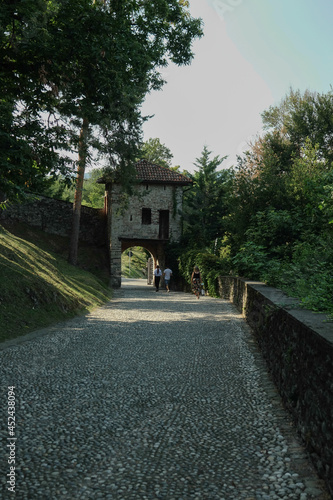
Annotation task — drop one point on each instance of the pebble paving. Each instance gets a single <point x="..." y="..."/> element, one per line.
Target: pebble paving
<point x="153" y="396"/>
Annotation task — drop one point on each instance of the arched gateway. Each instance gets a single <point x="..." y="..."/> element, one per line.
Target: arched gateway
<point x="151" y="218"/>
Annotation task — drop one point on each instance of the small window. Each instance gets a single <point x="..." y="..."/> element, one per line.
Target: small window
<point x="146" y="216"/>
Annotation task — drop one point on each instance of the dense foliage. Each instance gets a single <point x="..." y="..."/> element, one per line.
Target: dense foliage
<point x="74" y="74"/>
<point x="274" y="211"/>
<point x="29" y="139"/>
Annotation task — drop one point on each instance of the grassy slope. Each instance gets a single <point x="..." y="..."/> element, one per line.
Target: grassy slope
<point x="138" y="263"/>
<point x="38" y="287"/>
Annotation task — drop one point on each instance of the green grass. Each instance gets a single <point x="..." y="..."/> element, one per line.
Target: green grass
<point x="37" y="285"/>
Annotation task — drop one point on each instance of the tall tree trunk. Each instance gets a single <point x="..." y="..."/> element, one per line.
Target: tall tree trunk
<point x="74" y="241"/>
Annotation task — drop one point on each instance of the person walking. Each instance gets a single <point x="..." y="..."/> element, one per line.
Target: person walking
<point x="196" y="281"/>
<point x="167" y="275"/>
<point x="158" y="274"/>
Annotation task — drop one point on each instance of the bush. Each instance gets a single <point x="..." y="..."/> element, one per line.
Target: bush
<point x="251" y="261"/>
<point x="312" y="274"/>
<point x="307" y="274"/>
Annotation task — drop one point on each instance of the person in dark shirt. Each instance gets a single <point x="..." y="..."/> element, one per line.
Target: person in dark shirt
<point x="158" y="275"/>
<point x="196" y="281"/>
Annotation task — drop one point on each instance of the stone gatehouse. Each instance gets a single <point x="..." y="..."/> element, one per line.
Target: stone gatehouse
<point x="151" y="218"/>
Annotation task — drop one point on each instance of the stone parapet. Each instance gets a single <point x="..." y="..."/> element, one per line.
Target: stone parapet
<point x="298" y="347"/>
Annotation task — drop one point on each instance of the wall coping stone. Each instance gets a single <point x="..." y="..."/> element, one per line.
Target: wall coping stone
<point x="318" y="322"/>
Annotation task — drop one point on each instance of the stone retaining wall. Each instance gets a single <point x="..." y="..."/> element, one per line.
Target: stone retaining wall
<point x="55" y="217"/>
<point x="298" y="347"/>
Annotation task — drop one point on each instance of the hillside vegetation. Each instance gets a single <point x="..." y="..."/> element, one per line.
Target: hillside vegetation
<point x="134" y="265"/>
<point x="38" y="287"/>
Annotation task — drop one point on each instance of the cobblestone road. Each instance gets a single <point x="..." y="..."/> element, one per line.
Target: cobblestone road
<point x="154" y="396"/>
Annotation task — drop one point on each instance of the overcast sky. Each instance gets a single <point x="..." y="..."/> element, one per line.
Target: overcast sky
<point x="252" y="52"/>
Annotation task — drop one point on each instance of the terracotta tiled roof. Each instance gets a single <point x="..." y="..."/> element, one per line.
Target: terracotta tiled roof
<point x="151" y="173"/>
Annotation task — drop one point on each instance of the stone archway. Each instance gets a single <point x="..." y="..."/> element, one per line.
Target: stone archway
<point x="154" y="247"/>
<point x="143" y="260"/>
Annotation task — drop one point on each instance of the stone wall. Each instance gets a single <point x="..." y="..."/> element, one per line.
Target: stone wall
<point x="298" y="347"/>
<point x="55" y="217"/>
<point x="127" y="221"/>
<point x="127" y="228"/>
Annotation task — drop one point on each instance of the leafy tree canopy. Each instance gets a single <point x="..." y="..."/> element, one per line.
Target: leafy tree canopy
<point x="288" y="169"/>
<point x="156" y="152"/>
<point x="28" y="139"/>
<point x="301" y="117"/>
<point x="70" y="62"/>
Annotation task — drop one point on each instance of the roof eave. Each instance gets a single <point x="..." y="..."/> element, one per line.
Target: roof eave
<point x="166" y="182"/>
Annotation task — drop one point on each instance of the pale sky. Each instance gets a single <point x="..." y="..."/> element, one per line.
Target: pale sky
<point x="252" y="52"/>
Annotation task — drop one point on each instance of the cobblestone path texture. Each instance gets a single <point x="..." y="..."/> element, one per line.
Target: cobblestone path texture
<point x="153" y="396"/>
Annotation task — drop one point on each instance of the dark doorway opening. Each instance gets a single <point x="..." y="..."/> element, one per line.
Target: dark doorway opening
<point x="164" y="225"/>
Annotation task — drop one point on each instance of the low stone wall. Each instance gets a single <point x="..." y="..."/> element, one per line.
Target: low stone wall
<point x="55" y="217"/>
<point x="298" y="347"/>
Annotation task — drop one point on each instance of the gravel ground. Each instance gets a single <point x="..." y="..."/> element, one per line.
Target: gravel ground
<point x="153" y="396"/>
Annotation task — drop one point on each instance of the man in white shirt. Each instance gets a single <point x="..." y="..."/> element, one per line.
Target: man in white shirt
<point x="158" y="275"/>
<point x="167" y="275"/>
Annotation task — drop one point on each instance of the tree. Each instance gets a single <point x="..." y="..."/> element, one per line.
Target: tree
<point x="302" y="117"/>
<point x="204" y="206"/>
<point x="94" y="87"/>
<point x="92" y="195"/>
<point x="281" y="190"/>
<point x="259" y="183"/>
<point x="156" y="152"/>
<point x="121" y="46"/>
<point x="29" y="140"/>
<point x="274" y="174"/>
<point x="145" y="36"/>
